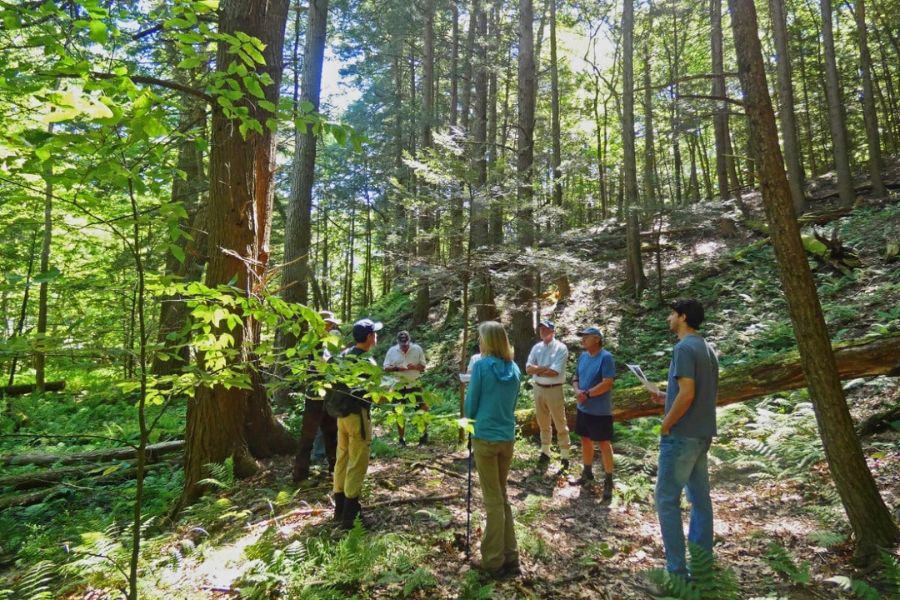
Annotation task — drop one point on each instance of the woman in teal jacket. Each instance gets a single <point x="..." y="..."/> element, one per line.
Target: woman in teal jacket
<point x="491" y="402"/>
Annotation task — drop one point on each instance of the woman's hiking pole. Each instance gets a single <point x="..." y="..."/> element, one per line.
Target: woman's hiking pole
<point x="469" y="504"/>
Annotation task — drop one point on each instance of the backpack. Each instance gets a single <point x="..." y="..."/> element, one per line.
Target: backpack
<point x="340" y="401"/>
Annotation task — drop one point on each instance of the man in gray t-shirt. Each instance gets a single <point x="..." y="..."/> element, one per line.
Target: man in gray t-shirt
<point x="687" y="430"/>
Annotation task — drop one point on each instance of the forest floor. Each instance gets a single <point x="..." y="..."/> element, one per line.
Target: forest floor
<point x="780" y="530"/>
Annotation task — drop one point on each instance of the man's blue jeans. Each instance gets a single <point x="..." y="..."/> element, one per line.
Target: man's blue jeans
<point x="682" y="463"/>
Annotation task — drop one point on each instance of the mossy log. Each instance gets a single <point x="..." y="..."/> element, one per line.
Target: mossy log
<point x="867" y="357"/>
<point x="108" y="454"/>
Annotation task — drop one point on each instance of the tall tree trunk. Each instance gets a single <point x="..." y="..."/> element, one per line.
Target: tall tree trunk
<point x="554" y="112"/>
<point x="188" y="190"/>
<point x="807" y="119"/>
<point x="870" y="113"/>
<point x="240" y="201"/>
<point x="454" y="63"/>
<point x="635" y="280"/>
<point x="704" y="163"/>
<point x="650" y="199"/>
<point x="23" y="312"/>
<point x="786" y="111"/>
<point x="693" y="181"/>
<point x="298" y="229"/>
<point x="675" y="121"/>
<point x="496" y="204"/>
<point x="482" y="289"/>
<point x="426" y="246"/>
<point x="39" y="355"/>
<point x="869" y="517"/>
<point x="836" y="118"/>
<point x="522" y="326"/>
<point x="720" y="114"/>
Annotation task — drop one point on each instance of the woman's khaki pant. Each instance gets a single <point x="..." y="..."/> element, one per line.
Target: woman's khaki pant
<point x="498" y="546"/>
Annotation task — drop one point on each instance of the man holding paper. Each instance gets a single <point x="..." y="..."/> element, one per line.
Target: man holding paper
<point x="687" y="431"/>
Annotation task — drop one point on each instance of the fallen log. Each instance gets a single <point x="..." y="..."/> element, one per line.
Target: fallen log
<point x="44" y="478"/>
<point x="867" y="357"/>
<point x="153" y="451"/>
<point x="28" y="388"/>
<point x="39" y="496"/>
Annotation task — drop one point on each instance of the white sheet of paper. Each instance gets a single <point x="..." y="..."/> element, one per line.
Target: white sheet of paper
<point x="639" y="373"/>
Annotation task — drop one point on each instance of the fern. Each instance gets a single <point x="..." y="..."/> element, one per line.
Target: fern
<point x="35" y="583"/>
<point x="707" y="581"/>
<point x="472" y="589"/>
<point x="219" y="475"/>
<point x="891" y="573"/>
<point x="780" y="561"/>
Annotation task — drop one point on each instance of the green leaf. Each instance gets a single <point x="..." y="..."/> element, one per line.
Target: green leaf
<point x="253" y="87"/>
<point x="178" y="252"/>
<point x="153" y="128"/>
<point x="98" y="32"/>
<point x="47" y="276"/>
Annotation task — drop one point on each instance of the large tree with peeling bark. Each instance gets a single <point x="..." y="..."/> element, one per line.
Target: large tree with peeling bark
<point x="225" y="422"/>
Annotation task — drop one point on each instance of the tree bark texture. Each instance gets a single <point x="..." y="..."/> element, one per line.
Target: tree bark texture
<point x="240" y="203"/>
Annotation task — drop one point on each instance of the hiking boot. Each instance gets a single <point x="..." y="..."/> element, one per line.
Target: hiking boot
<point x="402" y="442"/>
<point x="499" y="573"/>
<point x="543" y="461"/>
<point x="512" y="569"/>
<point x="352" y="509"/>
<point x="563" y="466"/>
<point x="587" y="475"/>
<point x="608" y="486"/>
<point x="424" y="439"/>
<point x="339" y="502"/>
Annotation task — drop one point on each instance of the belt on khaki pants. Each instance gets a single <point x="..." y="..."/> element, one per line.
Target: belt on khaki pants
<point x="547" y="385"/>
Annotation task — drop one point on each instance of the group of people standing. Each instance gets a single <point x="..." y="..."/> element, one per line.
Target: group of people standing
<point x="343" y="416"/>
<point x="688" y="426"/>
<point x="687" y="429"/>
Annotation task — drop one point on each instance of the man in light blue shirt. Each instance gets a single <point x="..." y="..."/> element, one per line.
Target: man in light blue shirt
<point x="593" y="382"/>
<point x="687" y="431"/>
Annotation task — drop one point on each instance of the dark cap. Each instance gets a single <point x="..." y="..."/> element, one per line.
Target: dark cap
<point x="403" y="336"/>
<point x="547" y="323"/>
<point x="363" y="327"/>
<point x="590" y="331"/>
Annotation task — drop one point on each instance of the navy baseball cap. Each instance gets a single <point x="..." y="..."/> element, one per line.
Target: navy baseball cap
<point x="547" y="323"/>
<point x="590" y="331"/>
<point x="363" y="327"/>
